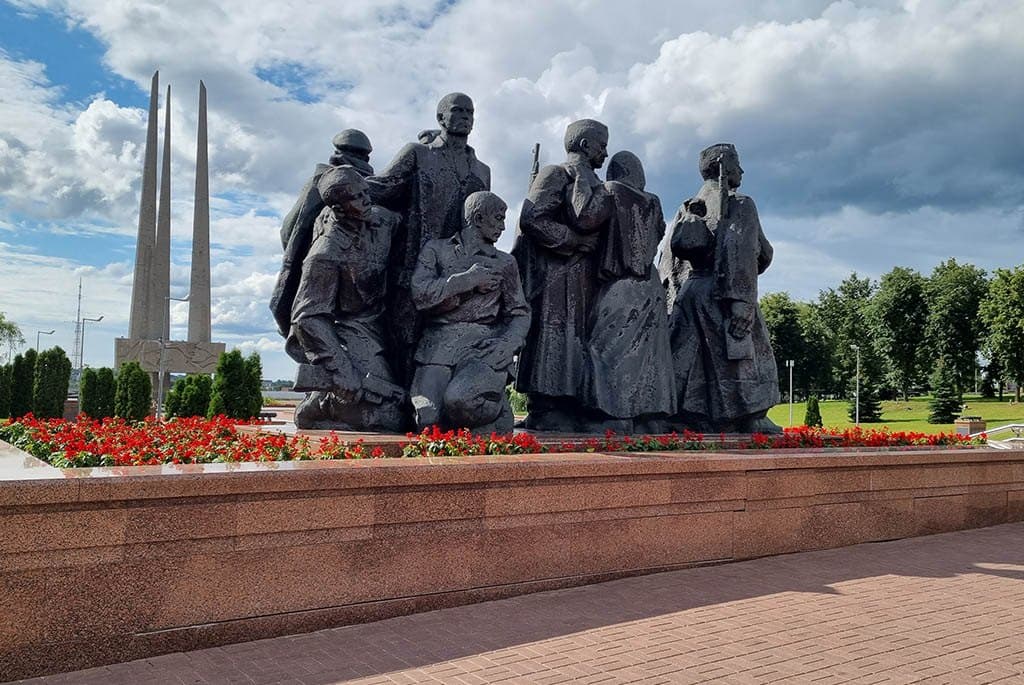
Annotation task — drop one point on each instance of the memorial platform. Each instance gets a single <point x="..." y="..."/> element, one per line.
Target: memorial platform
<point x="107" y="565"/>
<point x="935" y="609"/>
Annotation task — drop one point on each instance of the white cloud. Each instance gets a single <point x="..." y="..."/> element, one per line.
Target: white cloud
<point x="873" y="132"/>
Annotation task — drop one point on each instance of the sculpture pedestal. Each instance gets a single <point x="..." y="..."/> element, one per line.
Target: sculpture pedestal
<point x="180" y="356"/>
<point x="293" y="547"/>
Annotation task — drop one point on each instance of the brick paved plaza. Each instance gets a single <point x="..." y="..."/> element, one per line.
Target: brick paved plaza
<point x="941" y="609"/>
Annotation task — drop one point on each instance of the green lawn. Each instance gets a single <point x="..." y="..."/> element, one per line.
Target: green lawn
<point x="905" y="416"/>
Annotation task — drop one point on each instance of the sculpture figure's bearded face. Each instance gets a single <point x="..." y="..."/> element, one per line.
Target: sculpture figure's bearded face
<point x="455" y="115"/>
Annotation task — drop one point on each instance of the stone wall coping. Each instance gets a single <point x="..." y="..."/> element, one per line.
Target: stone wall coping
<point x="26" y="480"/>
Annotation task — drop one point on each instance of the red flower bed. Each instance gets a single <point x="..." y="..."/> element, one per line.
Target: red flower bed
<point x="433" y="442"/>
<point x="806" y="436"/>
<point x="115" y="442"/>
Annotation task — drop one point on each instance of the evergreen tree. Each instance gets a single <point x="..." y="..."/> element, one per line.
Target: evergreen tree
<point x="172" y="402"/>
<point x="254" y="384"/>
<point x="945" y="405"/>
<point x="50" y="383"/>
<point x="5" y="391"/>
<point x="133" y="398"/>
<point x="22" y="376"/>
<point x="190" y="396"/>
<point x="868" y="404"/>
<point x="87" y="393"/>
<point x="988" y="386"/>
<point x="230" y="395"/>
<point x="812" y="417"/>
<point x="106" y="389"/>
<point x="992" y="376"/>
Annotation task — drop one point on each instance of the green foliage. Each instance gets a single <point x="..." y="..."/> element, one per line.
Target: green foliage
<point x="844" y="312"/>
<point x="954" y="329"/>
<point x="988" y="386"/>
<point x="133" y="398"/>
<point x="50" y="383"/>
<point x="10" y="334"/>
<point x="904" y="416"/>
<point x="97" y="392"/>
<point x="812" y="417"/>
<point x="899" y="313"/>
<point x="782" y="318"/>
<point x="946" y="402"/>
<point x="1002" y="312"/>
<point x="992" y="379"/>
<point x="232" y="387"/>
<point x="814" y="367"/>
<point x="516" y="399"/>
<point x="87" y="392"/>
<point x="870" y="405"/>
<point x="254" y="384"/>
<point x="190" y="396"/>
<point x="106" y="390"/>
<point x="796" y="332"/>
<point x="5" y="391"/>
<point x="23" y="373"/>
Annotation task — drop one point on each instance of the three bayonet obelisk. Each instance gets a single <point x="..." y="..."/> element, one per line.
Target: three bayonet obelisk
<point x="148" y="340"/>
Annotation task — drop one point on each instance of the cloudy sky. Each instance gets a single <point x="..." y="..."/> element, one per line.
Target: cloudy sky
<point x="873" y="133"/>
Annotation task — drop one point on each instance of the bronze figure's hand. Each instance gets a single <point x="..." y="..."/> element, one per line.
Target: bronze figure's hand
<point x="742" y="318"/>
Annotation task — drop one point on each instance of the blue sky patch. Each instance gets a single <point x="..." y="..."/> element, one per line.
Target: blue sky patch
<point x="73" y="56"/>
<point x="293" y="78"/>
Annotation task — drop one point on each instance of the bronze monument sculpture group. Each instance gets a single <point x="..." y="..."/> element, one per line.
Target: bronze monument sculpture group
<point x="402" y="313"/>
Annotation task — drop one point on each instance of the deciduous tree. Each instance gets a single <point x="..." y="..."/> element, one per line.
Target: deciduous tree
<point x="782" y="318"/>
<point x="845" y="313"/>
<point x="954" y="329"/>
<point x="899" y="313"/>
<point x="1002" y="311"/>
<point x="10" y="335"/>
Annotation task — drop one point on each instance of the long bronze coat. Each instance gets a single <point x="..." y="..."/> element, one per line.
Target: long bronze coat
<point x="725" y="261"/>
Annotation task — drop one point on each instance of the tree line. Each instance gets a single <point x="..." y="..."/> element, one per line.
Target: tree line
<point x="913" y="333"/>
<point x="35" y="382"/>
<point x="38" y="383"/>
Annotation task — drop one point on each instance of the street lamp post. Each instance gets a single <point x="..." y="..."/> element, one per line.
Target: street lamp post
<point x="856" y="406"/>
<point x="789" y="363"/>
<point x="39" y="333"/>
<point x="163" y="346"/>
<point x="81" y="350"/>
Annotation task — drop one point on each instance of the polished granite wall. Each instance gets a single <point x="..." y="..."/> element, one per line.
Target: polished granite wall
<point x="104" y="565"/>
